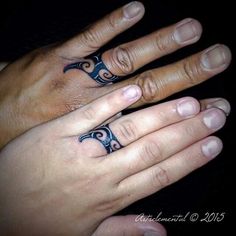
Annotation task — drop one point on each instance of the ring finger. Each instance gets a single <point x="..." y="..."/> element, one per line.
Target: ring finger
<point x="127" y="58"/>
<point x="132" y="127"/>
<point x="129" y="128"/>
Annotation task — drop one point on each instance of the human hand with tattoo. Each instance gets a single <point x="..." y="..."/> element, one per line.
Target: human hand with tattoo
<point x="55" y="80"/>
<point x="64" y="177"/>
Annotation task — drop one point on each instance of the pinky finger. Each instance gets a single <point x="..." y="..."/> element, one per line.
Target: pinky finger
<point x="169" y="171"/>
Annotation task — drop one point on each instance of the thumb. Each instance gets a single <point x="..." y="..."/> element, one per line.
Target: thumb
<point x="128" y="225"/>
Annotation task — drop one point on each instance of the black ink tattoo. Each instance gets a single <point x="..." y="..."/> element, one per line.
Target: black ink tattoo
<point x="105" y="136"/>
<point x="95" y="68"/>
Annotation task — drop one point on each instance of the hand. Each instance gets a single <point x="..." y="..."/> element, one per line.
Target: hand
<point x="53" y="184"/>
<point x="35" y="89"/>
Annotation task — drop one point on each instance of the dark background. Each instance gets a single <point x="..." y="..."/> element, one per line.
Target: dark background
<point x="25" y="25"/>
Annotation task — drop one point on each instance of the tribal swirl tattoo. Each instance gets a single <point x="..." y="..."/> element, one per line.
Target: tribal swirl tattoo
<point x="95" y="68"/>
<point x="105" y="136"/>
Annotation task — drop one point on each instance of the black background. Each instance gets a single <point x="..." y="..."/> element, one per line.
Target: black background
<point x="26" y="25"/>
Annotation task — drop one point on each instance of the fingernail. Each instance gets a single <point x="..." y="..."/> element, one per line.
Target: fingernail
<point x="151" y="233"/>
<point x="132" y="9"/>
<point x="188" y="30"/>
<point x="131" y="92"/>
<point x="188" y="107"/>
<point x="216" y="56"/>
<point x="211" y="148"/>
<point x="220" y="103"/>
<point x="214" y="119"/>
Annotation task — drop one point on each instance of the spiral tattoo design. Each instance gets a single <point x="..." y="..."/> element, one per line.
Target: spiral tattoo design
<point x="95" y="68"/>
<point x="105" y="136"/>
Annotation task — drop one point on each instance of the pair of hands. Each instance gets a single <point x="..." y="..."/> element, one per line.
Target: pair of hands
<point x="60" y="186"/>
<point x="40" y="91"/>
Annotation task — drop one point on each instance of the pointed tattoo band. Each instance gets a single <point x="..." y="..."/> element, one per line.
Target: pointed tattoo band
<point x="95" y="68"/>
<point x="105" y="136"/>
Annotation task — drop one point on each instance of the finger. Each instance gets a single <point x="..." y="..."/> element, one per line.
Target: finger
<point x="103" y="31"/>
<point x="162" y="82"/>
<point x="127" y="58"/>
<point x="219" y="103"/>
<point x="95" y="113"/>
<point x="129" y="225"/>
<point x="130" y="128"/>
<point x="169" y="171"/>
<point x="164" y="143"/>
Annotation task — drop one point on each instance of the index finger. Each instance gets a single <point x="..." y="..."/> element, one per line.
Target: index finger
<point x="97" y="112"/>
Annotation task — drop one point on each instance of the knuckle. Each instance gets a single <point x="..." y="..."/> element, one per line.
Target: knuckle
<point x="122" y="60"/>
<point x="190" y="131"/>
<point x="72" y="104"/>
<point x="164" y="118"/>
<point x="150" y="152"/>
<point x="190" y="71"/>
<point x="37" y="59"/>
<point x="127" y="130"/>
<point x="68" y="108"/>
<point x="163" y="42"/>
<point x="112" y="21"/>
<point x="89" y="113"/>
<point x="109" y="206"/>
<point x="57" y="84"/>
<point x="160" y="178"/>
<point x="149" y="86"/>
<point x="90" y="38"/>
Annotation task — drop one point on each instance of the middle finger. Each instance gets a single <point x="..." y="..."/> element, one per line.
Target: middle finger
<point x="127" y="58"/>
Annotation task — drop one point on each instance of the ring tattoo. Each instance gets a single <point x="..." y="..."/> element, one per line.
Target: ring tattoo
<point x="95" y="68"/>
<point x="105" y="136"/>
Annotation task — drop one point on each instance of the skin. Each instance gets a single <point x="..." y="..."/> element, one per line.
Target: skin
<point x="34" y="88"/>
<point x="32" y="99"/>
<point x="54" y="185"/>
